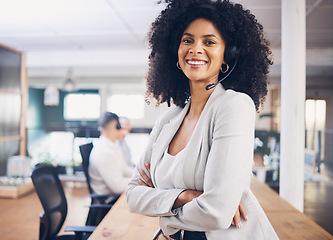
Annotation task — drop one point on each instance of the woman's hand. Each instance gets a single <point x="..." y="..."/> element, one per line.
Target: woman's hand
<point x="237" y="218"/>
<point x="185" y="197"/>
<point x="147" y="181"/>
<point x="188" y="195"/>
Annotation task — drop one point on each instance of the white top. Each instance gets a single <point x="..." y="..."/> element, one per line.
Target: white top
<point x="169" y="170"/>
<point x="108" y="170"/>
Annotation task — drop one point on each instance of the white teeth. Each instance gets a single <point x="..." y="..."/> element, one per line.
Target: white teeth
<point x="196" y="62"/>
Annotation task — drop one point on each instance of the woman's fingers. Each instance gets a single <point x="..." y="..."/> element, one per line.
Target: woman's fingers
<point x="147" y="181"/>
<point x="142" y="183"/>
<point x="243" y="211"/>
<point x="237" y="219"/>
<point x="147" y="164"/>
<point x="146" y="178"/>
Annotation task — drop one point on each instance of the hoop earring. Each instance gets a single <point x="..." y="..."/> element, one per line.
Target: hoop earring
<point x="178" y="66"/>
<point x="225" y="70"/>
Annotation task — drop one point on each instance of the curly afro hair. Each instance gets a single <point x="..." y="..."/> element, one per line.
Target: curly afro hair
<point x="238" y="27"/>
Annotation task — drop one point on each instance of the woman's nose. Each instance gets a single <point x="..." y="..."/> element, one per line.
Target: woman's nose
<point x="197" y="49"/>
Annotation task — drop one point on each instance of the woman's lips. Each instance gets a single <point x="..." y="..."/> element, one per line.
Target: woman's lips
<point x="194" y="63"/>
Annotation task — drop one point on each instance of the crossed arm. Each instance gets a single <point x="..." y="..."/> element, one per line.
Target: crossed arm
<point x="188" y="195"/>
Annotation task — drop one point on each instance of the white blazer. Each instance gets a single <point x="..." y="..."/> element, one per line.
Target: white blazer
<point x="218" y="161"/>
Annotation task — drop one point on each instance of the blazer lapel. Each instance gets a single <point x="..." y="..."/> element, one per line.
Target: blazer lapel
<point x="165" y="136"/>
<point x="169" y="130"/>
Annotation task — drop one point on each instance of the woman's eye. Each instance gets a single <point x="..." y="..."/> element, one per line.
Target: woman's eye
<point x="210" y="42"/>
<point x="187" y="41"/>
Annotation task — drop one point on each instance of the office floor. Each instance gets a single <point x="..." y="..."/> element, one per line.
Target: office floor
<point x="318" y="203"/>
<point x="20" y="217"/>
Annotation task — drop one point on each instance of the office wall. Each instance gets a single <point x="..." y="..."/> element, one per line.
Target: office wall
<point x="47" y="118"/>
<point x="35" y="109"/>
<point x="36" y="134"/>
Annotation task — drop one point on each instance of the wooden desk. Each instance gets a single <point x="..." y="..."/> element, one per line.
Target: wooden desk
<point x="289" y="223"/>
<point x="119" y="223"/>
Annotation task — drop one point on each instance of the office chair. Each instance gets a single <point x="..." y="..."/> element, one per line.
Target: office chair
<point x="98" y="207"/>
<point x="52" y="197"/>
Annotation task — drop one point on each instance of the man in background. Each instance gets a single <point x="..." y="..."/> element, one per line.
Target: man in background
<point x="122" y="144"/>
<point x="108" y="170"/>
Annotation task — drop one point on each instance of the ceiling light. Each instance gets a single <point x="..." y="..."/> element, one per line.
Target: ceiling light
<point x="69" y="84"/>
<point x="51" y="96"/>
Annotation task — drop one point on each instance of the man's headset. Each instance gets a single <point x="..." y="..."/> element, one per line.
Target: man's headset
<point x="118" y="126"/>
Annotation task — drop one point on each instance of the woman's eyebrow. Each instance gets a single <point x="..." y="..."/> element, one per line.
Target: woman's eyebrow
<point x="208" y="35"/>
<point x="188" y="34"/>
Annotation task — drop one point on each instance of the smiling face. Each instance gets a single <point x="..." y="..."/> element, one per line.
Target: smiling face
<point x="201" y="50"/>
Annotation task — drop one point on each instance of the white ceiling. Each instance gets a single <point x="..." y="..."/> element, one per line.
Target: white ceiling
<point x="44" y="25"/>
<point x="107" y="38"/>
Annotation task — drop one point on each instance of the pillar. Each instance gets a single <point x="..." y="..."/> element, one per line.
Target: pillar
<point x="293" y="85"/>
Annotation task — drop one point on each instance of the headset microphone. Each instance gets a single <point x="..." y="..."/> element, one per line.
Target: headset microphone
<point x="212" y="85"/>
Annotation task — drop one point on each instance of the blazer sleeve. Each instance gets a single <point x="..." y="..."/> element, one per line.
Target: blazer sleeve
<point x="227" y="172"/>
<point x="154" y="202"/>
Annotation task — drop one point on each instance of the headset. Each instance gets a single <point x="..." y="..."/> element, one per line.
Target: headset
<point x="230" y="55"/>
<point x="118" y="126"/>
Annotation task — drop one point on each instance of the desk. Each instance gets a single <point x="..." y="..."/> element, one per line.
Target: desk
<point x="289" y="223"/>
<point x="119" y="223"/>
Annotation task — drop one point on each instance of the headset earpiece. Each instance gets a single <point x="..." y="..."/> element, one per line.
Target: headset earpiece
<point x="230" y="54"/>
<point x="118" y="126"/>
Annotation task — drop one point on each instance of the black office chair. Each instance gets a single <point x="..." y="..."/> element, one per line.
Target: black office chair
<point x="98" y="207"/>
<point x="52" y="197"/>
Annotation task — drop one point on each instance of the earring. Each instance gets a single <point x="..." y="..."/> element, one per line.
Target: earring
<point x="178" y="66"/>
<point x="221" y="69"/>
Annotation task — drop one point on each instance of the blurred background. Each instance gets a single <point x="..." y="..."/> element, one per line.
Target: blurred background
<point x="64" y="62"/>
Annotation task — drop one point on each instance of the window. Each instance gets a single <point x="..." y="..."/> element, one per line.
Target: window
<point x="61" y="148"/>
<point x="130" y="106"/>
<point x="315" y="115"/>
<point x="82" y="106"/>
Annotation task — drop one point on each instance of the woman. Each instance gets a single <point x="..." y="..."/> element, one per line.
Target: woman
<point x="200" y="153"/>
